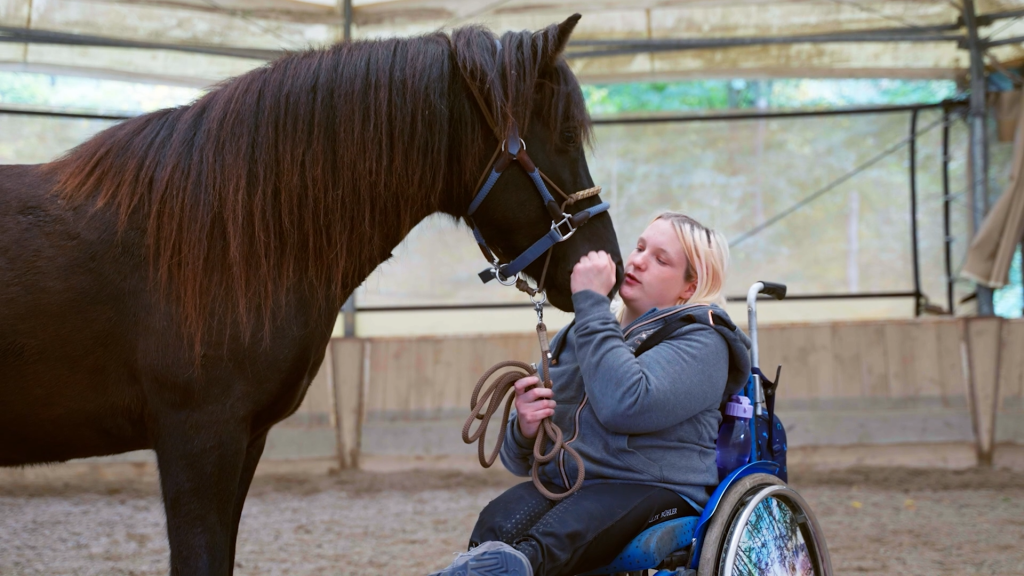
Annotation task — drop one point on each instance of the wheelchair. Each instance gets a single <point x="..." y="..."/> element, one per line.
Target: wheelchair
<point x="753" y="524"/>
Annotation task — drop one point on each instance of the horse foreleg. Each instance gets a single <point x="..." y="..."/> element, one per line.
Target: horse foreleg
<point x="201" y="457"/>
<point x="252" y="458"/>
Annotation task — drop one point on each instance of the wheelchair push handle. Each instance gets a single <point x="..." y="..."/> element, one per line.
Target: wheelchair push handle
<point x="777" y="291"/>
<point x="773" y="289"/>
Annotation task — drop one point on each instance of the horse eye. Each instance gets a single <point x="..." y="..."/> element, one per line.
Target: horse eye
<point x="569" y="138"/>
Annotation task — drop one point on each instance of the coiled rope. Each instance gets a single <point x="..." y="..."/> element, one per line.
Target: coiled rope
<point x="483" y="405"/>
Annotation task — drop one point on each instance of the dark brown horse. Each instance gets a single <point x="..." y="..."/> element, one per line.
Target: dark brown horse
<point x="172" y="283"/>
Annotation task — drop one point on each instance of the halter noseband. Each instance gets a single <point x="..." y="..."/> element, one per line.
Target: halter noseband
<point x="563" y="224"/>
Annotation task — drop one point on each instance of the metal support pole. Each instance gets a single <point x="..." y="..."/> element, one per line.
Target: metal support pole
<point x="348" y="316"/>
<point x="345" y="7"/>
<point x="759" y="400"/>
<point x="913" y="213"/>
<point x="946" y="234"/>
<point x="1020" y="251"/>
<point x="1020" y="248"/>
<point x="979" y="141"/>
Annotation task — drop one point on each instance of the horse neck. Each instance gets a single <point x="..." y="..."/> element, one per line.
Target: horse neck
<point x="471" y="144"/>
<point x="433" y="170"/>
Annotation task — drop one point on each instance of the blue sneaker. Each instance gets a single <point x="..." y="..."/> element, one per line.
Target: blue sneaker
<point x="489" y="559"/>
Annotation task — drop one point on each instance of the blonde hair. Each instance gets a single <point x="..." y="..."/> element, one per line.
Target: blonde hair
<point x="707" y="259"/>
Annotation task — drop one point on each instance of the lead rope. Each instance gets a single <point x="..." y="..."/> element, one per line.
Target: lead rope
<point x="484" y="405"/>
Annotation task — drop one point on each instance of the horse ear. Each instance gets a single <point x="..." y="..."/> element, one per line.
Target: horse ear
<point x="561" y="38"/>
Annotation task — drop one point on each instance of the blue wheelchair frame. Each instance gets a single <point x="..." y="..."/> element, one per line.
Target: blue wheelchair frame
<point x="657" y="542"/>
<point x="648" y="549"/>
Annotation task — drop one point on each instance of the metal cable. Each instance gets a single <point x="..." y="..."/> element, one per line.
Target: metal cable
<point x="876" y="12"/>
<point x="242" y="16"/>
<point x="993" y="34"/>
<point x="489" y="7"/>
<point x="833" y="185"/>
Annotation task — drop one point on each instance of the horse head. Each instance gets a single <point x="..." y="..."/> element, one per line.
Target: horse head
<point x="531" y="114"/>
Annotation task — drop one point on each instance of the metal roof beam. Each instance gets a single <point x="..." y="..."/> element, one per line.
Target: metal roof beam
<point x="625" y="47"/>
<point x="30" y="36"/>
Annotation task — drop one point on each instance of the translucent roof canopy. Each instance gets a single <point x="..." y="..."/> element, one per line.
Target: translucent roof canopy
<point x="151" y="39"/>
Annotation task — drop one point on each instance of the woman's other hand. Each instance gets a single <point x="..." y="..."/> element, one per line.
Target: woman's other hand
<point x="595" y="271"/>
<point x="532" y="405"/>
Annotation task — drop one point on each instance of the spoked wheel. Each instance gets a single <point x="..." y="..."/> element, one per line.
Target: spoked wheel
<point x="763" y="527"/>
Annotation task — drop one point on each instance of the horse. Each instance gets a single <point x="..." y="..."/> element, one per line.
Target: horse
<point x="172" y="283"/>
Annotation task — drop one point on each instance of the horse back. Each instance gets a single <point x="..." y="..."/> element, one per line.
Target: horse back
<point x="90" y="354"/>
<point x="65" y="334"/>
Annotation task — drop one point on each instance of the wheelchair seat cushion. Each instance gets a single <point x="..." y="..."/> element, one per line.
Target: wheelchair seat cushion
<point x="652" y="546"/>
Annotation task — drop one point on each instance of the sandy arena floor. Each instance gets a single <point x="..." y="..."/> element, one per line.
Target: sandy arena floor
<point x="877" y="521"/>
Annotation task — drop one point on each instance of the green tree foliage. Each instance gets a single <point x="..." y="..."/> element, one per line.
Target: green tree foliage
<point x="636" y="97"/>
<point x="75" y="93"/>
<point x="18" y="88"/>
<point x="656" y="96"/>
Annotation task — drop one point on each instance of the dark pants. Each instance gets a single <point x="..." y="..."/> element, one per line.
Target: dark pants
<point x="581" y="533"/>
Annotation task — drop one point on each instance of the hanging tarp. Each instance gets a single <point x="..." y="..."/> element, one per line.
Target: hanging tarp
<point x="992" y="249"/>
<point x="780" y="38"/>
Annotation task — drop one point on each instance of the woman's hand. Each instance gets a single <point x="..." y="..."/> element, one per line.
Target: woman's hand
<point x="532" y="405"/>
<point x="595" y="271"/>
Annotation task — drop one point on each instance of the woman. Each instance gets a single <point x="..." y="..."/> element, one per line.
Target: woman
<point x="645" y="425"/>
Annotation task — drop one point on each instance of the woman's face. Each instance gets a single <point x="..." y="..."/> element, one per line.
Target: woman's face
<point x="656" y="270"/>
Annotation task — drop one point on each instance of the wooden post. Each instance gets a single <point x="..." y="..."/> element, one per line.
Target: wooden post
<point x="346" y="380"/>
<point x="982" y="337"/>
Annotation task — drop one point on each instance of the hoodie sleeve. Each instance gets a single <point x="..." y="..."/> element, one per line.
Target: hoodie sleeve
<point x="673" y="381"/>
<point x="517" y="450"/>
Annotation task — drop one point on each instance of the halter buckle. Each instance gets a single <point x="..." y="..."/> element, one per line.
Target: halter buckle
<point x="565" y="222"/>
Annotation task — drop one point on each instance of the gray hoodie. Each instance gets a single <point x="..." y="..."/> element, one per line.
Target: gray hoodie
<point x="651" y="419"/>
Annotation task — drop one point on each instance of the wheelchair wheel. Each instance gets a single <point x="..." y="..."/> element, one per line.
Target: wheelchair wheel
<point x="763" y="527"/>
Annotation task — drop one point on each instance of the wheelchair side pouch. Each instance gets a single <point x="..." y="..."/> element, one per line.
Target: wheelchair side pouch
<point x="770" y="433"/>
<point x="772" y="446"/>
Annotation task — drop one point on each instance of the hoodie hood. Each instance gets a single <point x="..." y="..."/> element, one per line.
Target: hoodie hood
<point x="649" y="324"/>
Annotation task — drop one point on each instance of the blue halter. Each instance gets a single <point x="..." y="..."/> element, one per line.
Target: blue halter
<point x="563" y="224"/>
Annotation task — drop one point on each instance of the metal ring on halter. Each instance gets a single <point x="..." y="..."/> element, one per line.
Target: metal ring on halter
<point x="521" y="143"/>
<point x="543" y="297"/>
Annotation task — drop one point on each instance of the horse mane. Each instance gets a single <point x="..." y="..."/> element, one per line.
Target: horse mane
<point x="305" y="173"/>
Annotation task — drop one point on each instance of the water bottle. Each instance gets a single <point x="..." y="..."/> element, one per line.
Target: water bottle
<point x="733" y="446"/>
